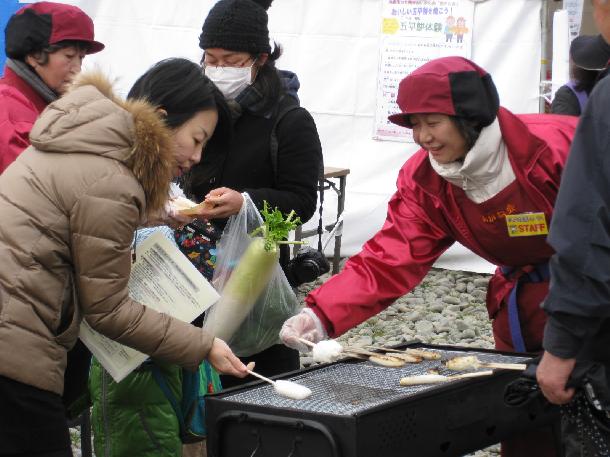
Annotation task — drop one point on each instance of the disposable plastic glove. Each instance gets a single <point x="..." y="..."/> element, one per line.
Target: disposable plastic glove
<point x="304" y="325"/>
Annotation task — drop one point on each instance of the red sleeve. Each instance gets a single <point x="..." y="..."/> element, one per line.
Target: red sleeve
<point x="17" y="116"/>
<point x="390" y="264"/>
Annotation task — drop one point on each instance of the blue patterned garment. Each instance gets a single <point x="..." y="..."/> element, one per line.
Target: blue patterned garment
<point x="143" y="233"/>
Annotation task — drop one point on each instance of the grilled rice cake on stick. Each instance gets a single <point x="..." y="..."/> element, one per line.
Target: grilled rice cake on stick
<point x="417" y="353"/>
<point x="324" y="351"/>
<point x="330" y="350"/>
<point x="439" y="379"/>
<point x="471" y="362"/>
<point x="414" y="355"/>
<point x="284" y="388"/>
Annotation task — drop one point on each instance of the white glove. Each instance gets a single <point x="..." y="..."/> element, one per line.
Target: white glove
<point x="304" y="325"/>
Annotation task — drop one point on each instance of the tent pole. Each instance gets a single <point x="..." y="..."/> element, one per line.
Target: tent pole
<point x="544" y="18"/>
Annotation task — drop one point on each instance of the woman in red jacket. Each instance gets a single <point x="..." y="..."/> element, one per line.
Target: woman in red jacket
<point x="45" y="46"/>
<point x="484" y="177"/>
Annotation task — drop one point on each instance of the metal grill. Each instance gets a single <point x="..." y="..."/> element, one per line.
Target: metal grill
<point x="347" y="388"/>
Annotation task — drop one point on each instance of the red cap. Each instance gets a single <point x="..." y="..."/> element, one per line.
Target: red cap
<point x="450" y="85"/>
<point x="47" y="23"/>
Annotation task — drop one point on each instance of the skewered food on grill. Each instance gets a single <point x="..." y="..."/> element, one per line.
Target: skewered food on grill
<point x="426" y="355"/>
<point x="327" y="351"/>
<point x="291" y="389"/>
<point x="438" y="379"/>
<point x="409" y="358"/>
<point x="286" y="389"/>
<point x="387" y="361"/>
<point x="420" y="353"/>
<point x="423" y="379"/>
<point x="471" y="362"/>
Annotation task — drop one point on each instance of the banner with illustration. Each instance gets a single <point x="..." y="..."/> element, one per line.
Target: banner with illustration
<point x="414" y="32"/>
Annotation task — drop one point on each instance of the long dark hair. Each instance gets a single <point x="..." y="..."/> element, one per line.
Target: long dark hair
<point x="585" y="79"/>
<point x="179" y="87"/>
<point x="268" y="81"/>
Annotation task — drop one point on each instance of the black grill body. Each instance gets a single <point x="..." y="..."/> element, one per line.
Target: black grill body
<point x="359" y="410"/>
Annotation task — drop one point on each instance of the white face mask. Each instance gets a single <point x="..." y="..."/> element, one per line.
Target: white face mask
<point x="230" y="80"/>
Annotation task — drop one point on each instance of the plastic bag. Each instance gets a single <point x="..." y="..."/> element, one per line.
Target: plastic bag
<point x="250" y="325"/>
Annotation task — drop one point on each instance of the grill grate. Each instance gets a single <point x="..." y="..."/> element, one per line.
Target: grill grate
<point x="344" y="388"/>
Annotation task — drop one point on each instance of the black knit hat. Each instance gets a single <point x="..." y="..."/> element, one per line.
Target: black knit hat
<point x="237" y="25"/>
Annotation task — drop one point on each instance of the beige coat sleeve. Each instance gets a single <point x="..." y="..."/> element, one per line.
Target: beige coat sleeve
<point x="103" y="222"/>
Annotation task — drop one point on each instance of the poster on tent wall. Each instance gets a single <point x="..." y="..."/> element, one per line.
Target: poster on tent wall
<point x="574" y="9"/>
<point x="414" y="32"/>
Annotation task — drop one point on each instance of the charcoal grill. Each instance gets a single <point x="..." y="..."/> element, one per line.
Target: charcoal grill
<point x="358" y="409"/>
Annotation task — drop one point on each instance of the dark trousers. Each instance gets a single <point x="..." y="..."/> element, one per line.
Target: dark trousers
<point x="32" y="422"/>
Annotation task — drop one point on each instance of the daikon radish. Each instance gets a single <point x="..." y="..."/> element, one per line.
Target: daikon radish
<point x="251" y="275"/>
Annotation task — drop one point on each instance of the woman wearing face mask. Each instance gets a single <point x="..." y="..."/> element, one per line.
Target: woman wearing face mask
<point x="45" y="46"/>
<point x="238" y="58"/>
<point x="483" y="177"/>
<point x="92" y="154"/>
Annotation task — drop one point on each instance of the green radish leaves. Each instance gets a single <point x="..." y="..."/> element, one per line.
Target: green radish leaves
<point x="275" y="228"/>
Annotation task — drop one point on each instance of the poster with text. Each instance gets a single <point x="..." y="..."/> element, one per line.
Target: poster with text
<point x="574" y="9"/>
<point x="413" y="33"/>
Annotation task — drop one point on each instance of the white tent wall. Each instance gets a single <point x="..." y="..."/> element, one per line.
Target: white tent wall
<point x="333" y="46"/>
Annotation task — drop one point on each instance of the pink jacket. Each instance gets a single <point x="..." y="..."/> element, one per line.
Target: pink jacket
<point x="20" y="106"/>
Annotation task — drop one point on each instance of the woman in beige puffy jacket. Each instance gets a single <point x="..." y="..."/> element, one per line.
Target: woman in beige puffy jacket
<point x="98" y="168"/>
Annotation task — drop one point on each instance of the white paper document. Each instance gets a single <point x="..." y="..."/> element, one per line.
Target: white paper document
<point x="163" y="279"/>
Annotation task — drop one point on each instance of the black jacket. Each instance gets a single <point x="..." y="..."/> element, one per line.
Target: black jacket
<point x="578" y="302"/>
<point x="565" y="102"/>
<point x="246" y="164"/>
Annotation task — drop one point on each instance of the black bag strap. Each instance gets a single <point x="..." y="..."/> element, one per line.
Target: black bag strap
<point x="273" y="141"/>
<point x="273" y="151"/>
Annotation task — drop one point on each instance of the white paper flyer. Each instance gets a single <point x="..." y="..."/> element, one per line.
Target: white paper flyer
<point x="163" y="279"/>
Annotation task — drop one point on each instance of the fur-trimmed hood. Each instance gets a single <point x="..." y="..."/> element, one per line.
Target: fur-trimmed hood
<point x="91" y="119"/>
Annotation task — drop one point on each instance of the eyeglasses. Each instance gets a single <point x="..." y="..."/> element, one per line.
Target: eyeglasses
<point x="248" y="62"/>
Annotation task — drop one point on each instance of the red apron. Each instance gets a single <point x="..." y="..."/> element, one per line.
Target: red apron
<point x="487" y="220"/>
